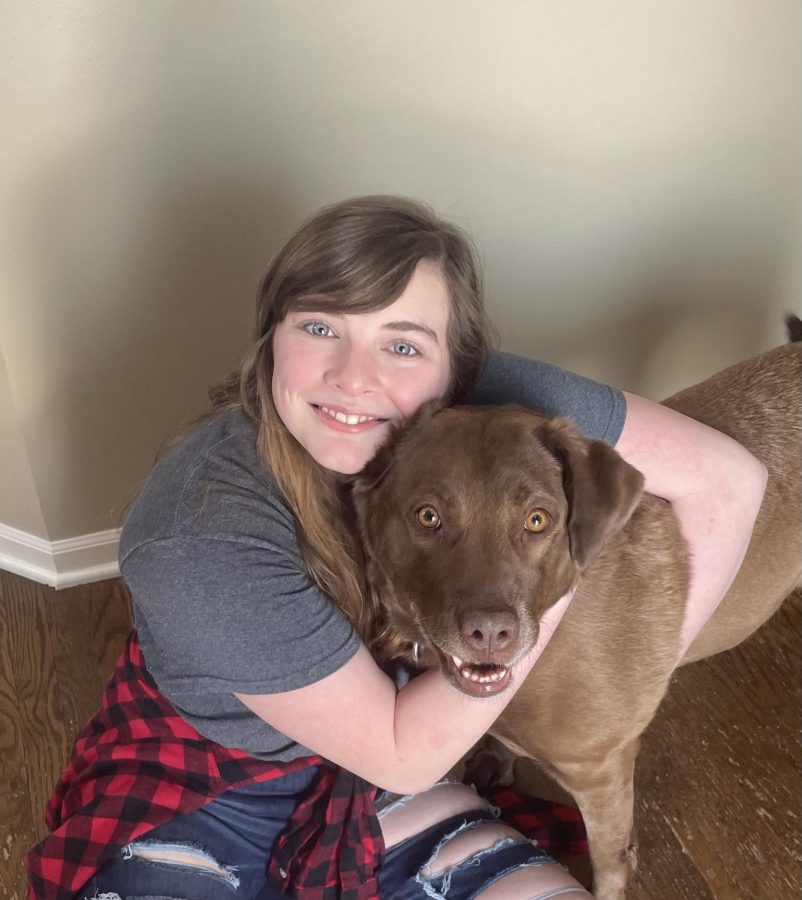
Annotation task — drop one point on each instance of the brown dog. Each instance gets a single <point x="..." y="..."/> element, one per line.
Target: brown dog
<point x="476" y="520"/>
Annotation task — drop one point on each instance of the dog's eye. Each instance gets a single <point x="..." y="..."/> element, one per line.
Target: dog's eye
<point x="428" y="517"/>
<point x="538" y="520"/>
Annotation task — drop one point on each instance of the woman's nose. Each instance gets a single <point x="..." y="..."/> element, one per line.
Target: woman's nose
<point x="353" y="371"/>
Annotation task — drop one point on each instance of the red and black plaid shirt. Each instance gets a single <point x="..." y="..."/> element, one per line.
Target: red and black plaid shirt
<point x="137" y="763"/>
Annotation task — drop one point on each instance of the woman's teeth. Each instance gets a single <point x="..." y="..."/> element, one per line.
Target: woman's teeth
<point x="347" y="420"/>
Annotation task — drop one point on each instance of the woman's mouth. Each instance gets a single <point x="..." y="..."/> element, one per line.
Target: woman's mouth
<point x="348" y="422"/>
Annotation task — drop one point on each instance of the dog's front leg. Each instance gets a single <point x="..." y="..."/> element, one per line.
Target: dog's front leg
<point x="603" y="789"/>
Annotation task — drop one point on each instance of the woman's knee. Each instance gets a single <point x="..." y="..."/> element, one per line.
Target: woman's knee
<point x="404" y="817"/>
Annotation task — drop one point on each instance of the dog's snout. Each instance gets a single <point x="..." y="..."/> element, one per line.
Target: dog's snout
<point x="489" y="631"/>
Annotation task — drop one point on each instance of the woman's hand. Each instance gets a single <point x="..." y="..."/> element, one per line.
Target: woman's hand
<point x="715" y="488"/>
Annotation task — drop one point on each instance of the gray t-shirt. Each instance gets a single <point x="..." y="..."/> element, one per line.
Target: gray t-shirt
<point x="222" y="601"/>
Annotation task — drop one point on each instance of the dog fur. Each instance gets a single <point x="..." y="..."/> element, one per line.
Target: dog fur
<point x="602" y="676"/>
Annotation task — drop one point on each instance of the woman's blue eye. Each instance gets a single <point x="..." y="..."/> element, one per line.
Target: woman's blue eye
<point x="319" y="329"/>
<point x="404" y="348"/>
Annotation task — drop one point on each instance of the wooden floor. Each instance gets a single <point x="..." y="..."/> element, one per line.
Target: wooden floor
<point x="718" y="786"/>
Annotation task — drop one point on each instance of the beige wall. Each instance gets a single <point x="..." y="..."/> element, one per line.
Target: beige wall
<point x="18" y="493"/>
<point x="629" y="169"/>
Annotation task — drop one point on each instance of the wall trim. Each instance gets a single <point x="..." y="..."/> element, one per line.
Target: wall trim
<point x="61" y="564"/>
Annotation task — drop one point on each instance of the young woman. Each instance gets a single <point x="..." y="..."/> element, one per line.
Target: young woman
<point x="247" y="722"/>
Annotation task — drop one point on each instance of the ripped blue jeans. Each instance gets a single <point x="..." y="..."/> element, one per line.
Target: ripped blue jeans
<point x="222" y="850"/>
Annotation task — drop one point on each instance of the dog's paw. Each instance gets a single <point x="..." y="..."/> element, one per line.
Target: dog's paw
<point x="488" y="771"/>
<point x="630" y="857"/>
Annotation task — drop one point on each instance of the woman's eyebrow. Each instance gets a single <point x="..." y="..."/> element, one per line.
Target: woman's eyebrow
<point x="411" y="326"/>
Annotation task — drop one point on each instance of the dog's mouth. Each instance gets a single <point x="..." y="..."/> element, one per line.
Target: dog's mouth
<point x="472" y="677"/>
<point x="477" y="679"/>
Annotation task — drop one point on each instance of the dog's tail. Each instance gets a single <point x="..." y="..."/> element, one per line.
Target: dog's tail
<point x="793" y="325"/>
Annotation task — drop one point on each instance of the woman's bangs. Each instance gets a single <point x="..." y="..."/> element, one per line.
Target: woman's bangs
<point x="371" y="291"/>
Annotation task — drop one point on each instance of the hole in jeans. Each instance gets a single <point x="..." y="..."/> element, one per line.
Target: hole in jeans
<point x="467" y="844"/>
<point x="406" y="816"/>
<point x="181" y="855"/>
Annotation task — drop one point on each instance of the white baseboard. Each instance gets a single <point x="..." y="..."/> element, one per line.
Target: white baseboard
<point x="80" y="560"/>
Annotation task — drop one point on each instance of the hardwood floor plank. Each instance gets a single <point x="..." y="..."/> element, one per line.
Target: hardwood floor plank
<point x="88" y="627"/>
<point x="44" y="734"/>
<point x="664" y="869"/>
<point x="13" y="774"/>
<point x="16" y="838"/>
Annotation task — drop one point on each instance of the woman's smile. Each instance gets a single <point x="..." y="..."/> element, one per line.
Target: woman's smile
<point x="339" y="419"/>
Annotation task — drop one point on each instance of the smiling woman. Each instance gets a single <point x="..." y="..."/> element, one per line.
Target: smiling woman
<point x="251" y="713"/>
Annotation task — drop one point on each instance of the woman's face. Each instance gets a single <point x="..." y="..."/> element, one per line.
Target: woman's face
<point x="340" y="380"/>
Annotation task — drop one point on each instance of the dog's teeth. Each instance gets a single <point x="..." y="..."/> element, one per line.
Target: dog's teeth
<point x="457" y="662"/>
<point x="490" y="678"/>
<point x="466" y="673"/>
<point x="487" y="679"/>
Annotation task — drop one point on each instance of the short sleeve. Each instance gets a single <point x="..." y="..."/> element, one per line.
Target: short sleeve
<point x="597" y="409"/>
<point x="230" y="613"/>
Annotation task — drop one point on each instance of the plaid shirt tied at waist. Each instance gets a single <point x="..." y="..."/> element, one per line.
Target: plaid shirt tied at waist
<point x="138" y="763"/>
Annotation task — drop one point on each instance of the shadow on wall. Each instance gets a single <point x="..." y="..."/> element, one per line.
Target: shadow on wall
<point x="669" y="345"/>
<point x="144" y="299"/>
<point x="665" y="330"/>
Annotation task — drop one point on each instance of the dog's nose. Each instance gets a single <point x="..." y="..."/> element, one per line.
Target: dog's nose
<point x="488" y="630"/>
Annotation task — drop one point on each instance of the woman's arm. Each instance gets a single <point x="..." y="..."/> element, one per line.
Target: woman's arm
<point x="403" y="741"/>
<point x="715" y="487"/>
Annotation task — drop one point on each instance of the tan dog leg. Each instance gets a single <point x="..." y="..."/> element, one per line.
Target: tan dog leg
<point x="604" y="792"/>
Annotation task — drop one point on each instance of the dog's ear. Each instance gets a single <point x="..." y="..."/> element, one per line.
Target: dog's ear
<point x="601" y="488"/>
<point x="380" y="463"/>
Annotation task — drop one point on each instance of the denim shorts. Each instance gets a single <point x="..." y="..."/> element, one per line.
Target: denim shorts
<point x="226" y="847"/>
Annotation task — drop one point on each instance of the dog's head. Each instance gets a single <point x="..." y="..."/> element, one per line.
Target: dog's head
<point x="476" y="520"/>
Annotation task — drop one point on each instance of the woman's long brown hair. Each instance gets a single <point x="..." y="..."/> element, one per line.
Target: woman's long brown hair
<point x="355" y="256"/>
